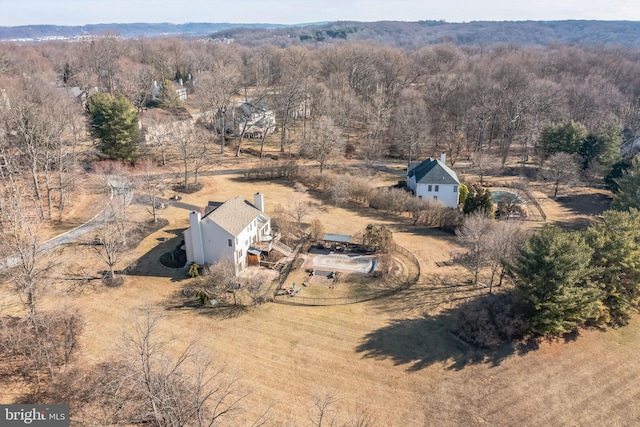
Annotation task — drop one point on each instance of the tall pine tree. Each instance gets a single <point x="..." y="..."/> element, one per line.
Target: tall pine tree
<point x="478" y="199"/>
<point x="113" y="120"/>
<point x="552" y="271"/>
<point x="628" y="195"/>
<point x="616" y="262"/>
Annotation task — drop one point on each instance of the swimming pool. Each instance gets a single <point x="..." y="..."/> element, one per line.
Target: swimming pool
<point x="507" y="196"/>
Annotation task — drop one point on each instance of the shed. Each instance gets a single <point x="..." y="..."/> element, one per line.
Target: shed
<point x="253" y="256"/>
<point x="340" y="241"/>
<point x="337" y="238"/>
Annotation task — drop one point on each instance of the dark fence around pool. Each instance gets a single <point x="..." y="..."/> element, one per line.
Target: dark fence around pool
<point x="412" y="279"/>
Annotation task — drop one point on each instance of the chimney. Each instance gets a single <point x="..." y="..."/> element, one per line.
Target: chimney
<point x="258" y="201"/>
<point x="443" y="157"/>
<point x="196" y="237"/>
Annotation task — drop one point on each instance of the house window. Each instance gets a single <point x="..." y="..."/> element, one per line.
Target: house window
<point x="419" y="197"/>
<point x="239" y="254"/>
<point x="229" y="242"/>
<point x="437" y="188"/>
<point x="429" y="187"/>
<point x="455" y="188"/>
<point x="435" y="197"/>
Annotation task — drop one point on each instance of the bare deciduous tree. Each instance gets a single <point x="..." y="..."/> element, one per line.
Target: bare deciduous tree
<point x="292" y="89"/>
<point x="25" y="260"/>
<point x="152" y="184"/>
<point x="502" y="246"/>
<point x="110" y="238"/>
<point x="258" y="287"/>
<point x="190" y="388"/>
<point x="285" y="225"/>
<point x="326" y="410"/>
<point x="215" y="89"/>
<point x="474" y="231"/>
<point x="324" y="143"/>
<point x="323" y="410"/>
<point x="299" y="208"/>
<point x="412" y="125"/>
<point x="191" y="145"/>
<point x="338" y="190"/>
<point x="317" y="229"/>
<point x="561" y="169"/>
<point x="221" y="278"/>
<point x="41" y="347"/>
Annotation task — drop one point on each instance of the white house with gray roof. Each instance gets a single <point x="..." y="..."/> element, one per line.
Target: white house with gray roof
<point x="432" y="179"/>
<point x="227" y="232"/>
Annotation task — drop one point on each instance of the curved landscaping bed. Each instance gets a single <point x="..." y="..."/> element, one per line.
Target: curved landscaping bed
<point x="349" y="287"/>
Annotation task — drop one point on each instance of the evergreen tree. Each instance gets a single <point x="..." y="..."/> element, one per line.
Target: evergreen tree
<point x="616" y="262"/>
<point x="565" y="138"/>
<point x="113" y="120"/>
<point x="628" y="195"/>
<point x="463" y="194"/>
<point x="591" y="147"/>
<point x="378" y="237"/>
<point x="551" y="271"/>
<point x="479" y="198"/>
<point x="612" y="140"/>
<point x="616" y="172"/>
<point x="603" y="148"/>
<point x="167" y="96"/>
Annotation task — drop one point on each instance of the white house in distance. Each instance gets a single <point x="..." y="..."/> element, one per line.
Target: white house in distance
<point x="433" y="180"/>
<point x="229" y="231"/>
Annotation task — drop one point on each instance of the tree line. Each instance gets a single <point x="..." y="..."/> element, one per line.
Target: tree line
<point x="403" y="103"/>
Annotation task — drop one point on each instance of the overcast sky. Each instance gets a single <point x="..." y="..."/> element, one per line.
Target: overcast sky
<point x="80" y="12"/>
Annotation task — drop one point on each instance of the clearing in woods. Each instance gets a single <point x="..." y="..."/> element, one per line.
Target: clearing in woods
<point x="392" y="355"/>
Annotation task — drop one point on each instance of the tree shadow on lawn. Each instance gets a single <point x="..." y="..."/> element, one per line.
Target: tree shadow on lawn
<point x="576" y="224"/>
<point x="149" y="264"/>
<point x="219" y="311"/>
<point x="426" y="341"/>
<point x="586" y="204"/>
<point x="430" y="294"/>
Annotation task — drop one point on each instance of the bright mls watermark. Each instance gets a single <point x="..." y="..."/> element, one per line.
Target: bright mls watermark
<point x="34" y="415"/>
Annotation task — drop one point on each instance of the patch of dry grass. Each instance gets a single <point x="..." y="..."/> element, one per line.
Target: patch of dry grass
<point x="393" y="355"/>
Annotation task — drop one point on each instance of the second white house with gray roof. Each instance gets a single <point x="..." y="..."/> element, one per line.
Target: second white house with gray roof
<point x="227" y="232"/>
<point x="432" y="179"/>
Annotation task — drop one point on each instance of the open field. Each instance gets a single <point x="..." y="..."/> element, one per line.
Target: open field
<point x="392" y="355"/>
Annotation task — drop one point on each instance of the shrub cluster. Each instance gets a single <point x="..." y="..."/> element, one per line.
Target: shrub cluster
<point x="491" y="320"/>
<point x="342" y="187"/>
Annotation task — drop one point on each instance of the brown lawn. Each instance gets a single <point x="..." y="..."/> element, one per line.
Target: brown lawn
<point x="392" y="355"/>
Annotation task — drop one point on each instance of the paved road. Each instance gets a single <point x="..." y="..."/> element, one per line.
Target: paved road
<point x="119" y="188"/>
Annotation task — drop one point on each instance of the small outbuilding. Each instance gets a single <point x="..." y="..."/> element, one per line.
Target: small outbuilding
<point x="337" y="241"/>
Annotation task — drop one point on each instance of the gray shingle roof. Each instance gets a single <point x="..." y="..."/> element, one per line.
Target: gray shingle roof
<point x="432" y="171"/>
<point x="235" y="215"/>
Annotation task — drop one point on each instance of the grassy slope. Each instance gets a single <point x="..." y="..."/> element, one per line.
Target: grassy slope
<point x="384" y="354"/>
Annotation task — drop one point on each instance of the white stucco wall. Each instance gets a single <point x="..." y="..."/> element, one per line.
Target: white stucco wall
<point x="215" y="242"/>
<point x="411" y="183"/>
<point x="445" y="194"/>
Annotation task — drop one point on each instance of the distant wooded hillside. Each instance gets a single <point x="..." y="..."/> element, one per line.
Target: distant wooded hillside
<point x="124" y="30"/>
<point x="392" y="33"/>
<point x="411" y="34"/>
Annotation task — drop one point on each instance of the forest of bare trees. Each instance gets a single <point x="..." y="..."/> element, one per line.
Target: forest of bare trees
<point x="386" y="102"/>
<point x="478" y="104"/>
